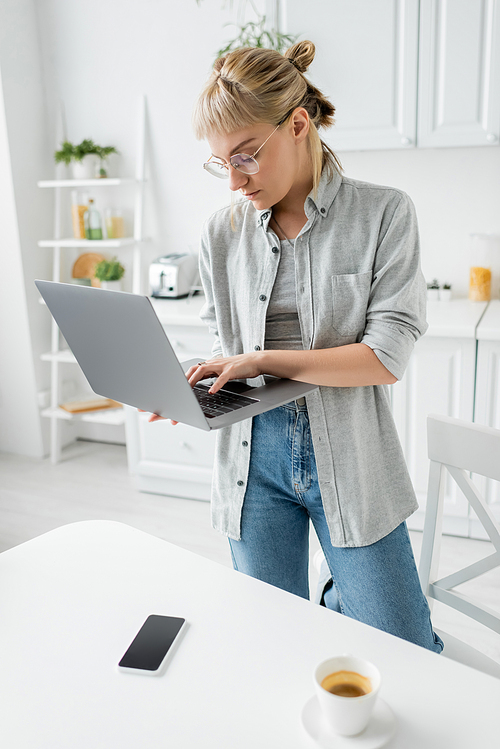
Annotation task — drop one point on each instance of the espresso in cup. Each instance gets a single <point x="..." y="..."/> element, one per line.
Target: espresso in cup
<point x="346" y="676"/>
<point x="347" y="684"/>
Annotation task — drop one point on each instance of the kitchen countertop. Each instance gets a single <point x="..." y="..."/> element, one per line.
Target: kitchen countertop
<point x="489" y="327"/>
<point x="457" y="318"/>
<point x="180" y="311"/>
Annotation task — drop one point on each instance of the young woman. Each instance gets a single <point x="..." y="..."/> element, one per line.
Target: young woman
<point x="312" y="277"/>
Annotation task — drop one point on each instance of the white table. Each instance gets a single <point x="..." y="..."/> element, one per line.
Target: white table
<point x="72" y="600"/>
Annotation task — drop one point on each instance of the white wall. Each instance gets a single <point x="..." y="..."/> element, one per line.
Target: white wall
<point x="24" y="328"/>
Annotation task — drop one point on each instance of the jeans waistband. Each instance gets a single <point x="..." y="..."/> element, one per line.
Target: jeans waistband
<point x="298" y="405"/>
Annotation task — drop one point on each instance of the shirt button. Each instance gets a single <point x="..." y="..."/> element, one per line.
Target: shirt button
<point x="240" y="483"/>
<point x="323" y="211"/>
<point x="264" y="216"/>
<point x="244" y="443"/>
<point x="256" y="348"/>
<point x="263" y="297"/>
<point x="275" y="250"/>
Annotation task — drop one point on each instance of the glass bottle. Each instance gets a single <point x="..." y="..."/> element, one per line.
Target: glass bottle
<point x="93" y="223"/>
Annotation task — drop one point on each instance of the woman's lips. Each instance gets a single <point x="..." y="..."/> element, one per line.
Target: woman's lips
<point x="251" y="195"/>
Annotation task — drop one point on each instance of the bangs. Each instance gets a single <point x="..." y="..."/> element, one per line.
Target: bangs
<point x="222" y="109"/>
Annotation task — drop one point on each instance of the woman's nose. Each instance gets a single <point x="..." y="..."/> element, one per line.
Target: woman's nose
<point x="236" y="179"/>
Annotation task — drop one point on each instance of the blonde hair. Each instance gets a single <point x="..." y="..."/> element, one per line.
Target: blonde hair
<point x="252" y="85"/>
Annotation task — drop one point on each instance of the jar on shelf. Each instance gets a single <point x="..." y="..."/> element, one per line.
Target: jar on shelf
<point x="114" y="224"/>
<point x="483" y="250"/>
<point x="78" y="208"/>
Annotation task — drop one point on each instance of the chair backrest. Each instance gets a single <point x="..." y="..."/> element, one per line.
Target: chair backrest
<point x="461" y="444"/>
<point x="459" y="448"/>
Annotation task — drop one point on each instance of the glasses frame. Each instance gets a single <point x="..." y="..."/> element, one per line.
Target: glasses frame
<point x="229" y="163"/>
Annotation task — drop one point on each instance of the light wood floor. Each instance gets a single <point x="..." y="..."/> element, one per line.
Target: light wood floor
<point x="92" y="482"/>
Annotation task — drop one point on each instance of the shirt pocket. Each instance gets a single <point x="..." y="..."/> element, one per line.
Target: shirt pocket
<point x="350" y="294"/>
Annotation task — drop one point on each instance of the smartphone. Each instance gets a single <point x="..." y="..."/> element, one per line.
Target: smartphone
<point x="148" y="651"/>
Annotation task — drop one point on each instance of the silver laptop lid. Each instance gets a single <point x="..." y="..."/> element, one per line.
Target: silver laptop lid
<point x="113" y="334"/>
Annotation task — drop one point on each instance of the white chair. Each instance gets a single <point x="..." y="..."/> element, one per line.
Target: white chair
<point x="459" y="448"/>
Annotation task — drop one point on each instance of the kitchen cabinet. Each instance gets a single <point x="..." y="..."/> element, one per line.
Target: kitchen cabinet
<point x="440" y="379"/>
<point x="459" y="73"/>
<point x="366" y="64"/>
<point x="405" y="73"/>
<point x="165" y="459"/>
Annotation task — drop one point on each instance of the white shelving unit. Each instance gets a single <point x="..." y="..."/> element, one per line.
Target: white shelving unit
<point x="58" y="356"/>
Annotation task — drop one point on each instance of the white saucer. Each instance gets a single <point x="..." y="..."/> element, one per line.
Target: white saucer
<point x="379" y="730"/>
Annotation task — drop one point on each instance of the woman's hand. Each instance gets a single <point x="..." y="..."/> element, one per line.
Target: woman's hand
<point x="155" y="417"/>
<point x="238" y="367"/>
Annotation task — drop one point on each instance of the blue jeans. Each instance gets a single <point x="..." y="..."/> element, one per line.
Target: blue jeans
<point x="376" y="584"/>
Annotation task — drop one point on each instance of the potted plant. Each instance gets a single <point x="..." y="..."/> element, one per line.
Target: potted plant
<point x="87" y="158"/>
<point x="445" y="293"/>
<point x="110" y="273"/>
<point x="433" y="291"/>
<point x="254" y="33"/>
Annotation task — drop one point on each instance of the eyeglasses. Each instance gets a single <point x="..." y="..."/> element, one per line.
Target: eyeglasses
<point x="243" y="162"/>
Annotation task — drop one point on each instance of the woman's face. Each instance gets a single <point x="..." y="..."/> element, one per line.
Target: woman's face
<point x="280" y="160"/>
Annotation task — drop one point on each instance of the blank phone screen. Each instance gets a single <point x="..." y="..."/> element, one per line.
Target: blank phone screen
<point x="152" y="642"/>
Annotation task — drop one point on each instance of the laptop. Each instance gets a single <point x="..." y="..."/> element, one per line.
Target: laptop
<point x="125" y="354"/>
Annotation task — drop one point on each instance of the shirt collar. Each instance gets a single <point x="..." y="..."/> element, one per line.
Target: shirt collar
<point x="327" y="191"/>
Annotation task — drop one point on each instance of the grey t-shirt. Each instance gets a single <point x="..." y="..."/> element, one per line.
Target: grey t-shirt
<point x="282" y="319"/>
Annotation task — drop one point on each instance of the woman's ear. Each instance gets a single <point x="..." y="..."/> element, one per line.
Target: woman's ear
<point x="300" y="121"/>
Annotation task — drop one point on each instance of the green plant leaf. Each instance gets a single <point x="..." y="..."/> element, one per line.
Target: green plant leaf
<point x="109" y="270"/>
<point x="253" y="34"/>
<point x="105" y="151"/>
<point x="88" y="146"/>
<point x="65" y="154"/>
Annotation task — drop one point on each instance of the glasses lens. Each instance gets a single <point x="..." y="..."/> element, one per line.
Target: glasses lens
<point x="244" y="163"/>
<point x="218" y="170"/>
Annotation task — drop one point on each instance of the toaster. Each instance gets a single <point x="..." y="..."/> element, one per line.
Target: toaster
<point x="173" y="275"/>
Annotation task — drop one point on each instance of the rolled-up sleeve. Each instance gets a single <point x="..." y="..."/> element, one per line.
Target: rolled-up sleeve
<point x="396" y="313"/>
<point x="207" y="313"/>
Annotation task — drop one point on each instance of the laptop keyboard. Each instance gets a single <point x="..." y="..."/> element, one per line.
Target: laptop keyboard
<point x="221" y="402"/>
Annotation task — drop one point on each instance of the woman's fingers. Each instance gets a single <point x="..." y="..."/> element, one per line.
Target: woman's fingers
<point x="202" y="371"/>
<point x="238" y="367"/>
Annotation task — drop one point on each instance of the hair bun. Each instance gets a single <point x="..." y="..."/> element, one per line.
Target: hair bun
<point x="219" y="64"/>
<point x="301" y="54"/>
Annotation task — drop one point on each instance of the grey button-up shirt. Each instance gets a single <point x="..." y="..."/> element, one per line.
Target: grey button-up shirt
<point x="358" y="279"/>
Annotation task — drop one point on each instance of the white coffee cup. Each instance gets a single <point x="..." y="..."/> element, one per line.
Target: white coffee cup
<point x="347" y="716"/>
